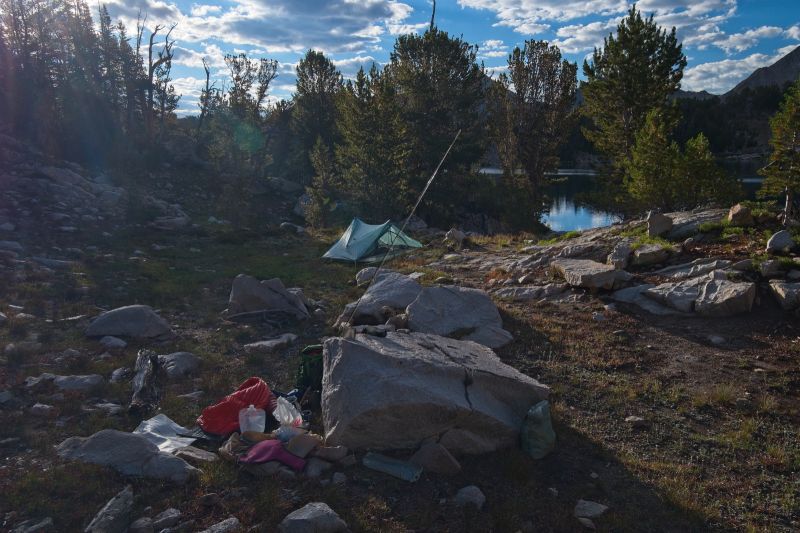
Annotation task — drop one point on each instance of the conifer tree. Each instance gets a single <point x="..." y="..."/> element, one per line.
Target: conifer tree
<point x="782" y="173"/>
<point x="654" y="165"/>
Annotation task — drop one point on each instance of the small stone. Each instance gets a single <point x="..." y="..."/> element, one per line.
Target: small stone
<point x="115" y="515"/>
<point x="586" y="522"/>
<point x="166" y="519"/>
<point x="142" y="525"/>
<point x="43" y="410"/>
<point x="470" y="495"/>
<point x="434" y="457"/>
<point x="553" y="491"/>
<point x="780" y="242"/>
<point x="271" y="345"/>
<point x="212" y="499"/>
<point x="589" y="509"/>
<point x="226" y="526"/>
<point x="740" y="215"/>
<point x="196" y="455"/>
<point x="716" y="340"/>
<point x="315" y="517"/>
<point x="594" y="475"/>
<point x="339" y="478"/>
<point x="636" y="421"/>
<point x="744" y="404"/>
<point x="315" y="467"/>
<point x="658" y="224"/>
<point x="113" y="343"/>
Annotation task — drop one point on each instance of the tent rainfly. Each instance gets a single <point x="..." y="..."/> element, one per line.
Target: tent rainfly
<point x="368" y="243"/>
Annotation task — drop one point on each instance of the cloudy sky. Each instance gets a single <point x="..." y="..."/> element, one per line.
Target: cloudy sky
<point x="724" y="40"/>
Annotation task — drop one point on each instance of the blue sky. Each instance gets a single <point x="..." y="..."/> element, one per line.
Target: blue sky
<point x="724" y="40"/>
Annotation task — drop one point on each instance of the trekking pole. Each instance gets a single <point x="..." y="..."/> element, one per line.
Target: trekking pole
<point x="408" y="218"/>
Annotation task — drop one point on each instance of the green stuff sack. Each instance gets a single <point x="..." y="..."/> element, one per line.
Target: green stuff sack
<point x="309" y="373"/>
<point x="537" y="435"/>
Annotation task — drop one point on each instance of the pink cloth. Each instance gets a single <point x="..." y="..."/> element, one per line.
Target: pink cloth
<point x="272" y="450"/>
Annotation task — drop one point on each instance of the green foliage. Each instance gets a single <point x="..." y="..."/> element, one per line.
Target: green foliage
<point x="314" y="112"/>
<point x="634" y="72"/>
<point x="531" y="110"/>
<point x="322" y="203"/>
<point x="558" y="238"/>
<point x="783" y="170"/>
<point x="659" y="175"/>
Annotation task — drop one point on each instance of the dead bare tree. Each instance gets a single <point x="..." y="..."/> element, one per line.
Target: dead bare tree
<point x="152" y="65"/>
<point x="205" y="97"/>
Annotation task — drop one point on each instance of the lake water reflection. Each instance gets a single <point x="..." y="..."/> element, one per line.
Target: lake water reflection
<point x="567" y="215"/>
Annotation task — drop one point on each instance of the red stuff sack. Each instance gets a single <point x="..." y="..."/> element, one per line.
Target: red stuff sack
<point x="223" y="417"/>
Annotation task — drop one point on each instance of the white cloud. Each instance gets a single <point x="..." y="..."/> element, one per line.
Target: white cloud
<point x="793" y="32"/>
<point x="720" y="76"/>
<point x="277" y="25"/>
<point x="349" y="66"/>
<point x="582" y="37"/>
<point x="493" y="48"/>
<point x="187" y="57"/>
<point x="739" y="42"/>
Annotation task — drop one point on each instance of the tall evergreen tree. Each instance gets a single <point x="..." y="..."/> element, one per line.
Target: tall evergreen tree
<point x="782" y="173"/>
<point x="634" y="72"/>
<point x="314" y="113"/>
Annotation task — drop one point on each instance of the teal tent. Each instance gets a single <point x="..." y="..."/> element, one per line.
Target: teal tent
<point x="368" y="243"/>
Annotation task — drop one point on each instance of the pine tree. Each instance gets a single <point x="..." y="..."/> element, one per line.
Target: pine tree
<point x="782" y="173"/>
<point x="322" y="185"/>
<point x="654" y="166"/>
<point x="702" y="179"/>
<point x="634" y="72"/>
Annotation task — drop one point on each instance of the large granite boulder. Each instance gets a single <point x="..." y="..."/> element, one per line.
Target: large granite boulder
<point x="315" y="517"/>
<point x="696" y="268"/>
<point x="115" y="515"/>
<point x="740" y="215"/>
<point x="650" y="254"/>
<point x="680" y="296"/>
<point x="658" y="224"/>
<point x="687" y="223"/>
<point x="452" y="310"/>
<point x="787" y="294"/>
<point x="138" y="321"/>
<point x="586" y="273"/>
<point x="395" y="392"/>
<point x="780" y="242"/>
<point x="127" y="453"/>
<point x="391" y="290"/>
<point x="721" y="297"/>
<point x="248" y="295"/>
<point x="179" y="364"/>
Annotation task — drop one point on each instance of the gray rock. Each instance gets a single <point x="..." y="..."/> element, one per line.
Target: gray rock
<point x="43" y="410"/>
<point x="687" y="223"/>
<point x="771" y="268"/>
<point x="365" y="275"/>
<point x="433" y="457"/>
<point x="636" y="295"/>
<point x="619" y="256"/>
<point x="743" y="265"/>
<point x="166" y="519"/>
<point x="142" y="525"/>
<point x="78" y="383"/>
<point x="658" y="224"/>
<point x="315" y="467"/>
<point x="292" y="228"/>
<point x="680" y="296"/>
<point x="35" y="526"/>
<point x="650" y="254"/>
<point x="226" y="526"/>
<point x="250" y="295"/>
<point x="415" y="385"/>
<point x="391" y="290"/>
<point x="137" y="321"/>
<point x="315" y="517"/>
<point x="470" y="495"/>
<point x="271" y="345"/>
<point x="455" y="237"/>
<point x="780" y="242"/>
<point x="120" y="374"/>
<point x="127" y="453"/>
<point x="12" y="246"/>
<point x="339" y="478"/>
<point x="740" y="215"/>
<point x="449" y="310"/>
<point x="719" y="298"/>
<point x="7" y="226"/>
<point x="586" y="273"/>
<point x="3" y="319"/>
<point x="519" y="294"/>
<point x="55" y="264"/>
<point x="196" y="455"/>
<point x="179" y="364"/>
<point x="113" y="343"/>
<point x="787" y="294"/>
<point x="589" y="509"/>
<point x="115" y="516"/>
<point x="696" y="268"/>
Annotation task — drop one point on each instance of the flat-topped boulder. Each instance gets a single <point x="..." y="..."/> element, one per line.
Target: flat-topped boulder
<point x="137" y="321"/>
<point x="698" y="267"/>
<point x="650" y="254"/>
<point x="450" y="310"/>
<point x="127" y="453"/>
<point x="658" y="224"/>
<point x="586" y="273"/>
<point x="391" y="290"/>
<point x="415" y="386"/>
<point x="721" y="297"/>
<point x="249" y="295"/>
<point x="687" y="223"/>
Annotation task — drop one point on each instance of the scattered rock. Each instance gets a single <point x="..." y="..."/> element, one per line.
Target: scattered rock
<point x="196" y="455"/>
<point x="636" y="422"/>
<point x="719" y="298"/>
<point x="271" y="345"/>
<point x="470" y="495"/>
<point x="658" y="224"/>
<point x="650" y="254"/>
<point x="315" y="467"/>
<point x="226" y="526"/>
<point x="129" y="454"/>
<point x="433" y="457"/>
<point x="589" y="509"/>
<point x="455" y="237"/>
<point x="449" y="310"/>
<point x="179" y="364"/>
<point x="78" y="383"/>
<point x="716" y="340"/>
<point x="137" y="321"/>
<point x="113" y="343"/>
<point x="115" y="515"/>
<point x="292" y="228"/>
<point x="43" y="410"/>
<point x="249" y="295"/>
<point x="618" y="258"/>
<point x="3" y="319"/>
<point x="35" y="526"/>
<point x="391" y="291"/>
<point x="740" y="215"/>
<point x="696" y="268"/>
<point x="787" y="294"/>
<point x="780" y="242"/>
<point x="166" y="519"/>
<point x="142" y="525"/>
<point x="586" y="273"/>
<point x="415" y="385"/>
<point x="771" y="268"/>
<point x="315" y="517"/>
<point x="11" y="246"/>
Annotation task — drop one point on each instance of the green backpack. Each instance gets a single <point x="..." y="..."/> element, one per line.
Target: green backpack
<point x="309" y="373"/>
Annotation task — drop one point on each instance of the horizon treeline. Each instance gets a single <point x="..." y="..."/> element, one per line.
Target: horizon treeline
<point x="95" y="93"/>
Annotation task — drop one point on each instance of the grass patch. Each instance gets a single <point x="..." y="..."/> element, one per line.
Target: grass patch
<point x="559" y="238"/>
<point x="647" y="239"/>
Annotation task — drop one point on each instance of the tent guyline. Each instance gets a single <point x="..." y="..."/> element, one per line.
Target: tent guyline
<point x="403" y="229"/>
